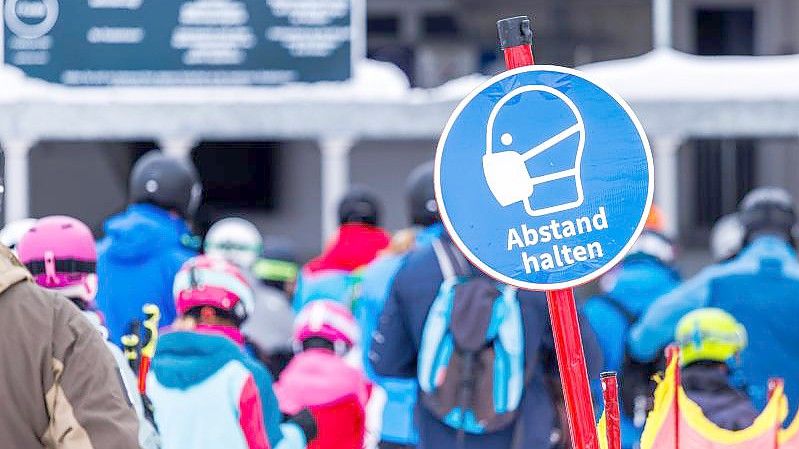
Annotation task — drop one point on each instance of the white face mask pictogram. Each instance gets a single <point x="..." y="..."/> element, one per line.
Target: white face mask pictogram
<point x="506" y="172"/>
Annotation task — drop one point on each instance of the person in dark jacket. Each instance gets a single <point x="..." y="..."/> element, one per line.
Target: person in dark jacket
<point x="710" y="340"/>
<point x="396" y="344"/>
<point x="145" y="246"/>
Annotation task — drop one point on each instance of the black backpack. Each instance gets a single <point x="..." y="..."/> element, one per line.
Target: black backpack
<point x="635" y="378"/>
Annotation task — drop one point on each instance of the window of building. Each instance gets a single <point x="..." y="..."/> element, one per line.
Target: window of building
<point x="383" y="26"/>
<point x="440" y="25"/>
<point x="725" y="31"/>
<point x="724" y="170"/>
<point x="238" y="174"/>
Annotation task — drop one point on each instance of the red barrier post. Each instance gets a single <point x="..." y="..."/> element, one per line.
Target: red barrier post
<point x="516" y="38"/>
<point x="610" y="395"/>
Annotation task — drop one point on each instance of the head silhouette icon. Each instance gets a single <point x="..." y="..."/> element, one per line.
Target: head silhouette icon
<point x="554" y="156"/>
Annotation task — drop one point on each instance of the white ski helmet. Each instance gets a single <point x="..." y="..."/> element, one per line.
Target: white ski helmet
<point x="12" y="233"/>
<point x="236" y="240"/>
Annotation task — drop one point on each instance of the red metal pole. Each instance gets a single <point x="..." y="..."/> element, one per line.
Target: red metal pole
<point x="672" y="352"/>
<point x="610" y="394"/>
<point x="516" y="38"/>
<point x="573" y="371"/>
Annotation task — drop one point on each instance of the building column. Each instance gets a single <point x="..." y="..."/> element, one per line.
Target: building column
<point x="179" y="147"/>
<point x="667" y="180"/>
<point x="16" y="177"/>
<point x="335" y="180"/>
<point x="662" y="11"/>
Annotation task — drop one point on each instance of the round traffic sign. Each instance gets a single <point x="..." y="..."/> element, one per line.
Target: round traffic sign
<point x="544" y="179"/>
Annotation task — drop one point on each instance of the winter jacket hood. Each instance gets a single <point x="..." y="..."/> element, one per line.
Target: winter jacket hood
<point x="183" y="359"/>
<point x="140" y="231"/>
<point x="137" y="261"/>
<point x="318" y="377"/>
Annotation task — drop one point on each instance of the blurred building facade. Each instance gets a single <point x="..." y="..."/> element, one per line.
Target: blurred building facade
<point x="280" y="184"/>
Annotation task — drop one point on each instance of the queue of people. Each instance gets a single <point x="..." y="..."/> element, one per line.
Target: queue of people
<point x="381" y="341"/>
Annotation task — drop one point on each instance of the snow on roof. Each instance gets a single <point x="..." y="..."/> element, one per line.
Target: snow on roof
<point x="372" y="81"/>
<point x="669" y="75"/>
<point x="661" y="75"/>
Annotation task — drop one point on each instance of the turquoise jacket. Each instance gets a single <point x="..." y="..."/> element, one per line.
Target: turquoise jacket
<point x="208" y="393"/>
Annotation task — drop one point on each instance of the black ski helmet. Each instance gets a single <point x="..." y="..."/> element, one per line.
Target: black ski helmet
<point x="359" y="205"/>
<point x="767" y="210"/>
<point x="422" y="206"/>
<point x="167" y="182"/>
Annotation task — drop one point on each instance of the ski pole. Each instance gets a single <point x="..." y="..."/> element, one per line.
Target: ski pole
<point x="152" y="317"/>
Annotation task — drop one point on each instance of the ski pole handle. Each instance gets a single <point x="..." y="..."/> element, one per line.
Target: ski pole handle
<point x="152" y="316"/>
<point x="130" y="342"/>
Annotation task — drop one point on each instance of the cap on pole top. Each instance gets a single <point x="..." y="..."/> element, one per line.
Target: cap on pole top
<point x="515" y="31"/>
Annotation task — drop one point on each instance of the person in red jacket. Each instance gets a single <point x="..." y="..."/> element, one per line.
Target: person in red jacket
<point x="358" y="241"/>
<point x="359" y="238"/>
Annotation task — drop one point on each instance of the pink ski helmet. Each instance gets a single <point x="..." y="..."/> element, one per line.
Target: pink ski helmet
<point x="328" y="320"/>
<point x="213" y="282"/>
<point x="61" y="255"/>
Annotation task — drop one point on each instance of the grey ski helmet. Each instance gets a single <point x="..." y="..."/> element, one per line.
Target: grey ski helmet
<point x="767" y="210"/>
<point x="167" y="182"/>
<point x="422" y="206"/>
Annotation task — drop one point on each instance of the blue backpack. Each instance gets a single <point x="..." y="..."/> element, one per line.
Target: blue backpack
<point x="471" y="368"/>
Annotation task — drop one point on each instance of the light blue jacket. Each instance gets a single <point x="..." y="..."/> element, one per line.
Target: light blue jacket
<point x="760" y="288"/>
<point x="398" y="421"/>
<point x="143" y="249"/>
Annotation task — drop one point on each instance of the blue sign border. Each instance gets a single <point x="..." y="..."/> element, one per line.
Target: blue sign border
<point x="451" y="229"/>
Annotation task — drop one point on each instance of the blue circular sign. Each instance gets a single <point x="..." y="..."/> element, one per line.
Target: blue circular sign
<point x="544" y="179"/>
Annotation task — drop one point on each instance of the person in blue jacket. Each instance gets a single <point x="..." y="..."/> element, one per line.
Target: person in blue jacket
<point x="145" y="245"/>
<point x="396" y="344"/>
<point x="645" y="274"/>
<point x="398" y="429"/>
<point x="758" y="287"/>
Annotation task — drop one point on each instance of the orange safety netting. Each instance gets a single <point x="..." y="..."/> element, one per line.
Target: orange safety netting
<point x="676" y="422"/>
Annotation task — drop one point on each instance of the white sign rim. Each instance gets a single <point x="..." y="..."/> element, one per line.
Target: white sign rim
<point x="462" y="246"/>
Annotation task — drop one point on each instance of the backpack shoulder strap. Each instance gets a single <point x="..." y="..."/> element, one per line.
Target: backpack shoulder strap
<point x="628" y="315"/>
<point x="452" y="264"/>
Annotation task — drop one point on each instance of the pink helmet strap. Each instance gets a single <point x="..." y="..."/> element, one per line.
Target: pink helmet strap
<point x="49" y="267"/>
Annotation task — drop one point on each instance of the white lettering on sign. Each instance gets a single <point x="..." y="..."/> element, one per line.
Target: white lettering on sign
<point x="558" y="255"/>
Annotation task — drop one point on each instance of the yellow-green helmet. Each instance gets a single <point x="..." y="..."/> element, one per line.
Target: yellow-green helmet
<point x="709" y="334"/>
